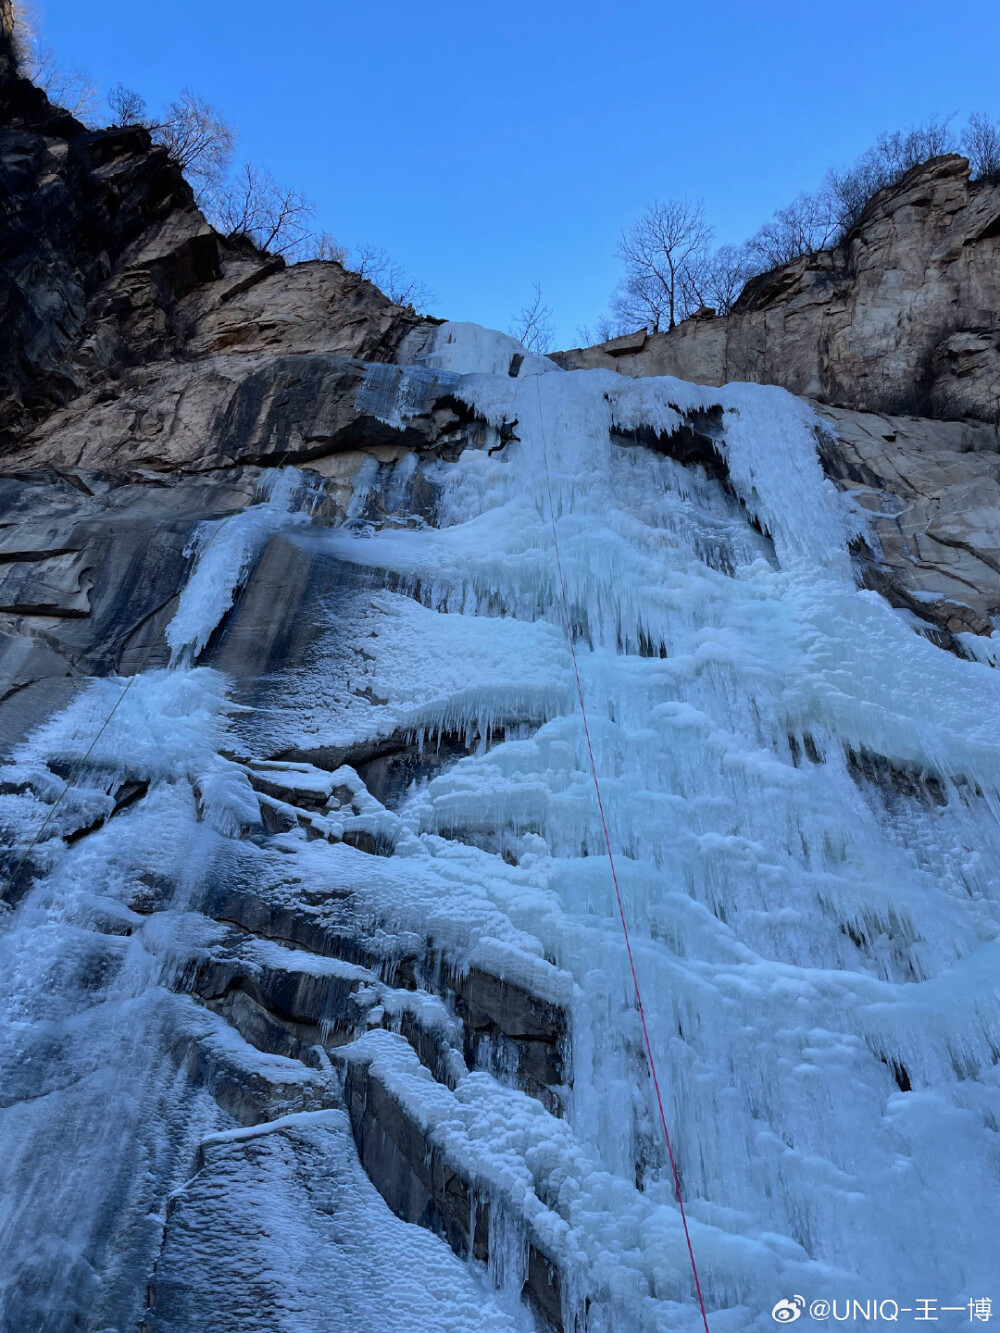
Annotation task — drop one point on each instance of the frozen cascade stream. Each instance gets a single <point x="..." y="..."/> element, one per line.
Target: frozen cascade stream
<point x="802" y="798"/>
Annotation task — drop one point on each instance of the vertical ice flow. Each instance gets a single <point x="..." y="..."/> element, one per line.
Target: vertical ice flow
<point x="224" y="551"/>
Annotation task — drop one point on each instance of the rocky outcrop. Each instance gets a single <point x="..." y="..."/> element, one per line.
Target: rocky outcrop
<point x="226" y="410"/>
<point x="90" y="568"/>
<point x="121" y="306"/>
<point x="902" y="317"/>
<point x="931" y="494"/>
<point x="138" y="346"/>
<point x="421" y="1184"/>
<point x="100" y="239"/>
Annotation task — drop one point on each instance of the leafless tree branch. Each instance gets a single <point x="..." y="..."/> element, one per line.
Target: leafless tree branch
<point x="198" y="138"/>
<point x="127" y="106"/>
<point x="808" y="224"/>
<point x="885" y="163"/>
<point x="981" y="142"/>
<point x="252" y="205"/>
<point x="64" y="86"/>
<point x="533" y="327"/>
<point x="376" y="265"/>
<point x="326" y="246"/>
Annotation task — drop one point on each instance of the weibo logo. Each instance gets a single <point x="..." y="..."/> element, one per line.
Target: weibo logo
<point x="786" y="1312"/>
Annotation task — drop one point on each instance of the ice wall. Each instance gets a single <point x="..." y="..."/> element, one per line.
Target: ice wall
<point x="802" y="800"/>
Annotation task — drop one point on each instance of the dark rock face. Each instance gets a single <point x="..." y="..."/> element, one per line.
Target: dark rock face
<point x="496" y="1010"/>
<point x="115" y="296"/>
<point x="229" y="409"/>
<point x="138" y="346"/>
<point x="424" y="1187"/>
<point x="80" y="295"/>
<point x="90" y="567"/>
<point x="932" y="489"/>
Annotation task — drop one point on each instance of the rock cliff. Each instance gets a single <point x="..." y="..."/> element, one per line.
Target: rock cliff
<point x="902" y="317"/>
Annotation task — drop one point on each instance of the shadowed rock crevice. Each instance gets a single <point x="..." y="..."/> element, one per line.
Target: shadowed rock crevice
<point x="694" y="443"/>
<point x="929" y="493"/>
<point x="910" y="781"/>
<point x="389" y="765"/>
<point x="891" y="778"/>
<point x="517" y="1035"/>
<point x="506" y="1026"/>
<point x="249" y="1092"/>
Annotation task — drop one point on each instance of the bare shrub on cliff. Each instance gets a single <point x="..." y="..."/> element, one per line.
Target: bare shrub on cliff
<point x="198" y="138"/>
<point x="665" y="252"/>
<point x="981" y="142"/>
<point x="377" y="266"/>
<point x="886" y="163"/>
<point x="63" y="85"/>
<point x="723" y="276"/>
<point x="195" y="134"/>
<point x="249" y="205"/>
<point x="254" y="207"/>
<point x="604" y="329"/>
<point x="533" y="327"/>
<point x="808" y="224"/>
<point x="638" y="303"/>
<point x="127" y="106"/>
<point x="326" y="246"/>
<point x="659" y="251"/>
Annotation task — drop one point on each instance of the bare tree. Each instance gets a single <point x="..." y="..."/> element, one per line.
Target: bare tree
<point x="376" y="265"/>
<point x="64" y="86"/>
<point x="639" y="302"/>
<point x="127" y="106"/>
<point x="254" y="207"/>
<point x="658" y="252"/>
<point x="808" y="224"/>
<point x="724" y="275"/>
<point x="607" y="329"/>
<point x="198" y="138"/>
<point x="981" y="141"/>
<point x="603" y="331"/>
<point x="533" y="327"/>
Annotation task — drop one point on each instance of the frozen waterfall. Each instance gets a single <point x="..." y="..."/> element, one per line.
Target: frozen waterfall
<point x="802" y="796"/>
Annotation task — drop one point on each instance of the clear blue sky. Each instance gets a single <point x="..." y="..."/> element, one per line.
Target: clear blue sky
<point x="490" y="145"/>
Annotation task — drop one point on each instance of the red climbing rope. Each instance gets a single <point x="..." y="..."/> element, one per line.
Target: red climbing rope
<point x="611" y="859"/>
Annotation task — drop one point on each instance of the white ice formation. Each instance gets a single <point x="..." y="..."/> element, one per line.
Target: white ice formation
<point x="802" y="796"/>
